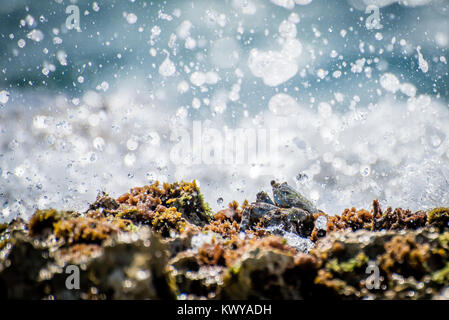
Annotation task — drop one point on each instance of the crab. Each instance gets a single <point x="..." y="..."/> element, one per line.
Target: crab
<point x="287" y="197"/>
<point x="289" y="212"/>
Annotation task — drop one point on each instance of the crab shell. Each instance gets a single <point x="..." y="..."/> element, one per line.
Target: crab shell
<point x="254" y="212"/>
<point x="290" y="211"/>
<point x="294" y="220"/>
<point x="287" y="197"/>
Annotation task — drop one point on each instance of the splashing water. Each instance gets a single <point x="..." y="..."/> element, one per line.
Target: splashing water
<point x="147" y="92"/>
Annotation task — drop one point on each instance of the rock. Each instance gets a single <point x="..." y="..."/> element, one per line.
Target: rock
<point x="194" y="279"/>
<point x="163" y="243"/>
<point x="183" y="197"/>
<point x="131" y="269"/>
<point x="124" y="267"/>
<point x="104" y="202"/>
<point x="21" y="262"/>
<point x="409" y="265"/>
<point x="439" y="217"/>
<point x="268" y="274"/>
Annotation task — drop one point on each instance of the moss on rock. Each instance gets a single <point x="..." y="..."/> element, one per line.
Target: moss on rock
<point x="439" y="217"/>
<point x="162" y="241"/>
<point x="44" y="220"/>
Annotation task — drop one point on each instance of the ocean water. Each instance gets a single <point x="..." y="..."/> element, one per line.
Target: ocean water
<point x="347" y="101"/>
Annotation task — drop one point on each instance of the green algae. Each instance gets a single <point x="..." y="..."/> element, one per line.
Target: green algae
<point x="441" y="276"/>
<point x="349" y="265"/>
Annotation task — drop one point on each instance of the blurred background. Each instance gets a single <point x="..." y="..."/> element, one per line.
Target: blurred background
<point x="360" y="109"/>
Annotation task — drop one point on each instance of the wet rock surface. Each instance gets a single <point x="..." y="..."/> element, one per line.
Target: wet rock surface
<point x="163" y="242"/>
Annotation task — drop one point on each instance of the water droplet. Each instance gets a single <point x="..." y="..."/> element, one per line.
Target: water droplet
<point x="365" y="171"/>
<point x="321" y="223"/>
<point x="93" y="157"/>
<point x="131" y="18"/>
<point x="21" y="43"/>
<point x="151" y="177"/>
<point x="4" y="97"/>
<point x="95" y="7"/>
<point x="35" y="35"/>
<point x="302" y="177"/>
<point x="132" y="144"/>
<point x="167" y="67"/>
